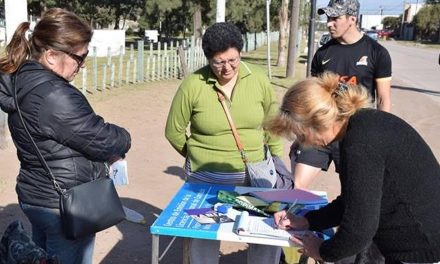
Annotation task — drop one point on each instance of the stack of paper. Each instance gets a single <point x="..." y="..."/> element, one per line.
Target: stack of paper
<point x="261" y="227"/>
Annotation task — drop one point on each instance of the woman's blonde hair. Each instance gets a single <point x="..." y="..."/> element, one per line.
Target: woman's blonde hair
<point x="313" y="105"/>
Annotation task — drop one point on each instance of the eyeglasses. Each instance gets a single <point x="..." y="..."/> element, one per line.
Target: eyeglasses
<point x="338" y="2"/>
<point x="221" y="64"/>
<point x="78" y="58"/>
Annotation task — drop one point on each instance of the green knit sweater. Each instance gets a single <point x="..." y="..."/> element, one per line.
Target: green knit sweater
<point x="209" y="144"/>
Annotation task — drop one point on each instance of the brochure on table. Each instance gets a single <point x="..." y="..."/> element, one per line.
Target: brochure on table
<point x="174" y="221"/>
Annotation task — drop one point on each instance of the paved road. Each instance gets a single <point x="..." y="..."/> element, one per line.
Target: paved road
<point x="415" y="93"/>
<point x="415" y="69"/>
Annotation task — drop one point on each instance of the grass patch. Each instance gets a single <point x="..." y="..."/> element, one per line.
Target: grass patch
<point x="259" y="57"/>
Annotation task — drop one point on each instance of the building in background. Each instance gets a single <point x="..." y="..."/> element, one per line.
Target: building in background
<point x="373" y="21"/>
<point x="408" y="30"/>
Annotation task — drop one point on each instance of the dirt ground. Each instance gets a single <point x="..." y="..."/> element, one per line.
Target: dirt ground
<point x="155" y="169"/>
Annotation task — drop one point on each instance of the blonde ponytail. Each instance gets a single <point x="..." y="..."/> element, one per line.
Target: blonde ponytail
<point x="314" y="104"/>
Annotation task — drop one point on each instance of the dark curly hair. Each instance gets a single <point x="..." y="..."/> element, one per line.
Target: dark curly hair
<point x="220" y="37"/>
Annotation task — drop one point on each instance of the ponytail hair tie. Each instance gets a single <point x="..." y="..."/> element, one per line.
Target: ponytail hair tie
<point x="342" y="87"/>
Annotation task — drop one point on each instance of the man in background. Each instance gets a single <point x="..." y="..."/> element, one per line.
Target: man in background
<point x="358" y="59"/>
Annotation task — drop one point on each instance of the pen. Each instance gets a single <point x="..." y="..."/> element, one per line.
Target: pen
<point x="292" y="207"/>
<point x="291" y="210"/>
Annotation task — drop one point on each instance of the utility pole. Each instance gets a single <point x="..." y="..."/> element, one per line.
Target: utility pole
<point x="269" y="71"/>
<point x="293" y="38"/>
<point x="403" y="19"/>
<point x="311" y="43"/>
<point x="220" y="14"/>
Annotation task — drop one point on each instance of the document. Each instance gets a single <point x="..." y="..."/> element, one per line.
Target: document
<point x="118" y="172"/>
<point x="261" y="227"/>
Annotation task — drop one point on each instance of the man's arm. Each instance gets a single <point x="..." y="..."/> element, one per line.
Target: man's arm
<point x="304" y="175"/>
<point x="383" y="91"/>
<point x="306" y="163"/>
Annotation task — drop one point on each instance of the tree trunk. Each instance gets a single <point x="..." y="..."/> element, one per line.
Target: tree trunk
<point x="183" y="64"/>
<point x="197" y="22"/>
<point x="3" y="130"/>
<point x="283" y="14"/>
<point x="293" y="39"/>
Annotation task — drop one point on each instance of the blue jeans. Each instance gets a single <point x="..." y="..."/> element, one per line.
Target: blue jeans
<point x="47" y="233"/>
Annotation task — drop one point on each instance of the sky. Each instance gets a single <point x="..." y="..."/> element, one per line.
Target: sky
<point x="373" y="7"/>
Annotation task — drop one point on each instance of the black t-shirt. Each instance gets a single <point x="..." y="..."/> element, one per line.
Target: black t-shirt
<point x="358" y="63"/>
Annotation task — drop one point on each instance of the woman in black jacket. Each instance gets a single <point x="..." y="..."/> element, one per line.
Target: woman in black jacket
<point x="390" y="179"/>
<point x="75" y="142"/>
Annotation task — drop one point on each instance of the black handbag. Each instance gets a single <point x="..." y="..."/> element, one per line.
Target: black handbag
<point x="86" y="208"/>
<point x="90" y="207"/>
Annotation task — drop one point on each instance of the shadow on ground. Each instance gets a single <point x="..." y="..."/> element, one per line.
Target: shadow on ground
<point x="10" y="213"/>
<point x="418" y="90"/>
<point x="136" y="240"/>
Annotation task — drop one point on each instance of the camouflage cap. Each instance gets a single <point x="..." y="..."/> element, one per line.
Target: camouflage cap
<point x="336" y="8"/>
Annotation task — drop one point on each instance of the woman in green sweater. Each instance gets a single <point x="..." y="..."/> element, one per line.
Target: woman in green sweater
<point x="209" y="149"/>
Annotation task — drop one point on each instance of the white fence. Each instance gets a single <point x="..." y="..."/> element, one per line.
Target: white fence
<point x="153" y="62"/>
<point x="137" y="66"/>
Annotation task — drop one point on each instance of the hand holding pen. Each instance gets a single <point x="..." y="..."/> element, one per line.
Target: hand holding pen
<point x="282" y="218"/>
<point x="288" y="220"/>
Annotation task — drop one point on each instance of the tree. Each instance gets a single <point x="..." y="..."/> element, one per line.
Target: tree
<point x="160" y="15"/>
<point x="427" y="22"/>
<point x="391" y="23"/>
<point x="37" y="7"/>
<point x="432" y="2"/>
<point x="250" y="16"/>
<point x="293" y="38"/>
<point x="283" y="16"/>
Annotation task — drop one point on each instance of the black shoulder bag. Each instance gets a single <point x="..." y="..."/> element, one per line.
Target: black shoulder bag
<point x="87" y="208"/>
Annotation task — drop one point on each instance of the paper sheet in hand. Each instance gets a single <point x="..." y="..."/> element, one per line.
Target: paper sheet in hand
<point x="290" y="196"/>
<point x="261" y="227"/>
<point x="118" y="172"/>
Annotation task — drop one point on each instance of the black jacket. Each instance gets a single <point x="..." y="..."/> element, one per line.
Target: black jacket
<point x="74" y="141"/>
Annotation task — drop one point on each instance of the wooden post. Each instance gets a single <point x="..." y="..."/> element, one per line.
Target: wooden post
<point x="95" y="70"/>
<point x="191" y="55"/>
<point x="134" y="70"/>
<point x="104" y="77"/>
<point x="84" y="80"/>
<point x="121" y="63"/>
<point x="4" y="133"/>
<point x="167" y="68"/>
<point x="162" y="68"/>
<point x="147" y="74"/>
<point x="153" y="69"/>
<point x="175" y="59"/>
<point x="140" y="61"/>
<point x="109" y="56"/>
<point x="112" y="77"/>
<point x="127" y="72"/>
<point x="159" y="61"/>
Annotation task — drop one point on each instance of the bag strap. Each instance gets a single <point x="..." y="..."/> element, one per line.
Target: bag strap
<point x="37" y="150"/>
<point x="222" y="100"/>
